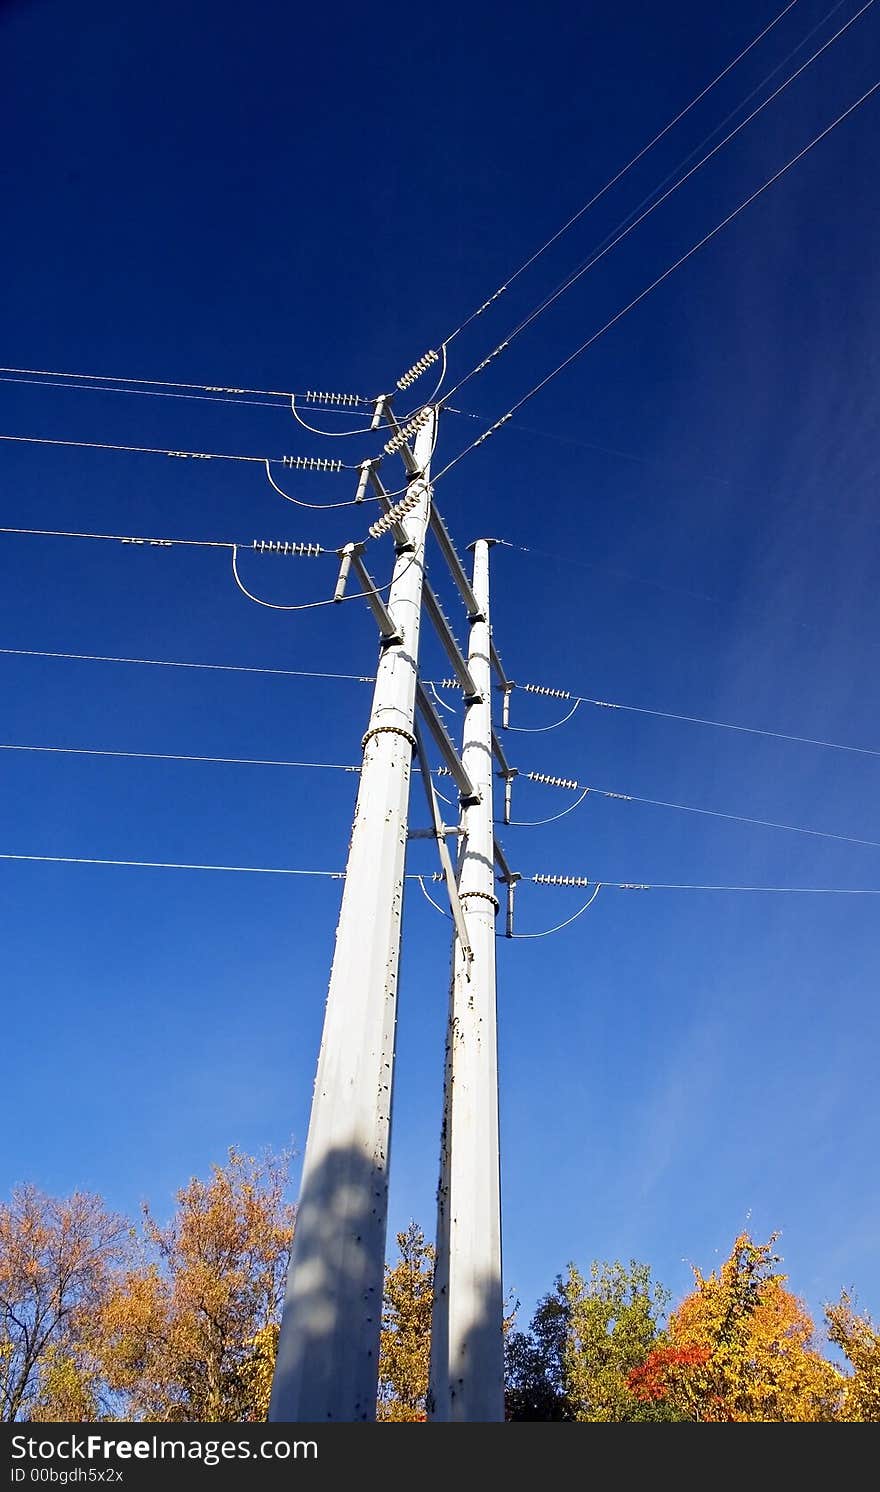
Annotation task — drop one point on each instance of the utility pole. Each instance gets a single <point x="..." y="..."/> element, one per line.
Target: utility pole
<point x="329" y="1345"/>
<point x="467" y="1357"/>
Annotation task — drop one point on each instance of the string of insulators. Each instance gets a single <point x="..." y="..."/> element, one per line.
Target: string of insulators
<point x="384" y="524"/>
<point x="491" y="358"/>
<point x="285" y="546"/>
<point x="492" y="429"/>
<point x="159" y="543"/>
<point x="394" y="444"/>
<point x="321" y="397"/>
<point x="312" y="463"/>
<point x="448" y="683"/>
<point x="540" y="689"/>
<point x="417" y="369"/>
<point x="562" y="880"/>
<point x="569" y="782"/>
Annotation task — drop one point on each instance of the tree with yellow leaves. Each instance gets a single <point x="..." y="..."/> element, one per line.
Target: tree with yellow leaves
<point x="858" y="1339"/>
<point x="405" y="1343"/>
<point x="742" y="1348"/>
<point x="57" y="1259"/>
<point x="190" y="1335"/>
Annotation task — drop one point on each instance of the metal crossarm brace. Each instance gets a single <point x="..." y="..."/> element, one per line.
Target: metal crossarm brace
<point x="439" y="833"/>
<point x="447" y="549"/>
<point x="498" y="751"/>
<point x="390" y="633"/>
<point x="453" y="651"/>
<point x="447" y="750"/>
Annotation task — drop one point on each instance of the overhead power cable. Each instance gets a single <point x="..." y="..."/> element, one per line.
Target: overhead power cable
<point x="625" y="230"/>
<point x="619" y="315"/>
<point x="171" y="756"/>
<point x="167" y="383"/>
<point x="714" y="813"/>
<point x="612" y="181"/>
<point x="289" y="673"/>
<point x="308" y="463"/>
<point x="339" y="875"/>
<point x="103" y="388"/>
<point x="748" y="730"/>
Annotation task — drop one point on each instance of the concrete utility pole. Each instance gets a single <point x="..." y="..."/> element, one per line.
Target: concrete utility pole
<point x="467" y="1357"/>
<point x="329" y="1344"/>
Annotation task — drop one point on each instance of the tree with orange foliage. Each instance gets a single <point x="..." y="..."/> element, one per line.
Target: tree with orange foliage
<point x="191" y="1334"/>
<point x="57" y="1257"/>
<point x="741" y="1348"/>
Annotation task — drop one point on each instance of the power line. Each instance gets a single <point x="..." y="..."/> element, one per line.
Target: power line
<point x="261" y="870"/>
<point x="629" y="227"/>
<point x="339" y="875"/>
<point x="749" y="730"/>
<point x="292" y="673"/>
<point x="714" y="813"/>
<point x="102" y="388"/>
<point x="701" y="243"/>
<point x="621" y="173"/>
<point x="102" y="445"/>
<point x="171" y="756"/>
<point x="170" y="384"/>
<point x="63" y="533"/>
<point x="691" y="886"/>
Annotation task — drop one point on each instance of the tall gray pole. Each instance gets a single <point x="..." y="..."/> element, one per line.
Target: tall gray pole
<point x="467" y="1355"/>
<point x="328" y="1350"/>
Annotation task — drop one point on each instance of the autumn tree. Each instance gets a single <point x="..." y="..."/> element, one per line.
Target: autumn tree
<point x="405" y="1342"/>
<point x="57" y="1258"/>
<point x="741" y="1347"/>
<point x="585" y="1337"/>
<point x="858" y="1339"/>
<point x="190" y="1334"/>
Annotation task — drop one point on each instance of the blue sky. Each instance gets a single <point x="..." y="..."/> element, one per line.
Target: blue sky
<point x="272" y="197"/>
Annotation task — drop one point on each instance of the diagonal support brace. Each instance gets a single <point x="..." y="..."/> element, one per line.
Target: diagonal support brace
<point x="443" y="849"/>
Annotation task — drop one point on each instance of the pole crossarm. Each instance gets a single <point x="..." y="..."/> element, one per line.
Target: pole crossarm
<point x="390" y="633"/>
<point x="456" y="569"/>
<point x="439" y="833"/>
<point x="450" y="756"/>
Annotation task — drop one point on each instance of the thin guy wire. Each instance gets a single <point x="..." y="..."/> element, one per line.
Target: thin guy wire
<point x="714" y="813"/>
<point x="554" y="372"/>
<point x="170" y="756"/>
<point x="622" y="172"/>
<point x="630" y="226"/>
<point x="294" y="673"/>
<point x="166" y="383"/>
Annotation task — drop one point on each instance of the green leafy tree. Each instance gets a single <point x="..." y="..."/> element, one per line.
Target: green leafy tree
<point x="585" y="1338"/>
